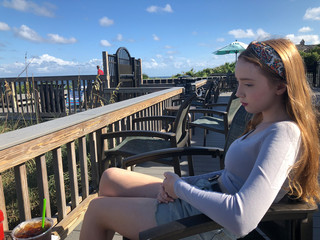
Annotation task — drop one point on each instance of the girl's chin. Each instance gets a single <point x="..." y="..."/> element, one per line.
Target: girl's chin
<point x="250" y="110"/>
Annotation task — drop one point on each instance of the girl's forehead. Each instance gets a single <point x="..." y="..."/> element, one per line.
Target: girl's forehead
<point x="245" y="69"/>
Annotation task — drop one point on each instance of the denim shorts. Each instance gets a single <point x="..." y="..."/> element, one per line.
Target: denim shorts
<point x="168" y="212"/>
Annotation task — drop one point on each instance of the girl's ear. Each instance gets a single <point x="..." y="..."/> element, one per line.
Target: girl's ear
<point x="281" y="88"/>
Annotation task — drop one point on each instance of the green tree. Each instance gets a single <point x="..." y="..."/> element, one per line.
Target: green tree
<point x="226" y="68"/>
<point x="311" y="57"/>
<point x="145" y="76"/>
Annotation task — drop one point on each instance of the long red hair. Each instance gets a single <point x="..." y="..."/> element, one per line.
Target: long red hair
<point x="303" y="178"/>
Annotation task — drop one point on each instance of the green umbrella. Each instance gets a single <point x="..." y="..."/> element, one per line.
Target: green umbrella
<point x="235" y="47"/>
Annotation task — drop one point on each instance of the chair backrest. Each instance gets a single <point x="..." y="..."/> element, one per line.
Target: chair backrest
<point x="233" y="106"/>
<point x="180" y="124"/>
<point x="238" y="126"/>
<point x="208" y="94"/>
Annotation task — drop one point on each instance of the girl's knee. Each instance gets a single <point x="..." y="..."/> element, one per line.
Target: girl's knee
<point x="109" y="174"/>
<point x="93" y="208"/>
<point x="107" y="181"/>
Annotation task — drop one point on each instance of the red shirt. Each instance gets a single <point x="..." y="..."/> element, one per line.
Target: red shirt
<point x="100" y="72"/>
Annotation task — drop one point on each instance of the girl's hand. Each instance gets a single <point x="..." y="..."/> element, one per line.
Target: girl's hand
<point x="168" y="184"/>
<point x="163" y="197"/>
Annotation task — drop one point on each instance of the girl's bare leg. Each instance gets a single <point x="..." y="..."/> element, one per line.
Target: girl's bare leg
<point x="127" y="216"/>
<point x="125" y="196"/>
<point x="117" y="182"/>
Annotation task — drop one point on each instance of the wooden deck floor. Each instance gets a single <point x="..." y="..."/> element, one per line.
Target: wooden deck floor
<point x="202" y="164"/>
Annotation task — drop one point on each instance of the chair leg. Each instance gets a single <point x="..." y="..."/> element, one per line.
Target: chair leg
<point x="176" y="166"/>
<point x="190" y="166"/>
<point x="306" y="228"/>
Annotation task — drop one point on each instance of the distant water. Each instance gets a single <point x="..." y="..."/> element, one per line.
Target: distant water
<point x="160" y="76"/>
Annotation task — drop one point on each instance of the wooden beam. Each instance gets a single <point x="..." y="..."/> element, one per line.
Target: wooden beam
<point x="73" y="219"/>
<point x="20" y="173"/>
<point x="42" y="181"/>
<point x="72" y="168"/>
<point x="59" y="181"/>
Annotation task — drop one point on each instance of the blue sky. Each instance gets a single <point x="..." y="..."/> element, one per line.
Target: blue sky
<point x="67" y="37"/>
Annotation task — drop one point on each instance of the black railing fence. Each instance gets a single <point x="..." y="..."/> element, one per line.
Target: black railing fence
<point x="313" y="75"/>
<point x="57" y="96"/>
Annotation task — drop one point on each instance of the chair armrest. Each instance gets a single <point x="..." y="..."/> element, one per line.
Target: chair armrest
<point x="285" y="211"/>
<point x="181" y="228"/>
<point x="171" y="152"/>
<point x="132" y="133"/>
<point x="155" y="118"/>
<point x="201" y="223"/>
<point x="217" y="104"/>
<point x="208" y="111"/>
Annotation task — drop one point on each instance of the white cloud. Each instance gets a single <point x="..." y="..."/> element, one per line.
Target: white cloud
<point x="154" y="64"/>
<point x="168" y="8"/>
<point x="166" y="66"/>
<point x="29" y="6"/>
<point x="4" y="26"/>
<point x="47" y="64"/>
<point x="105" y="43"/>
<point x="27" y="33"/>
<point x="46" y="58"/>
<point x="155" y="37"/>
<point x="240" y="33"/>
<point x="155" y="9"/>
<point x="119" y="37"/>
<point x="312" y="13"/>
<point x="309" y="39"/>
<point x="31" y="35"/>
<point x="220" y="39"/>
<point x="262" y="35"/>
<point x="55" y="38"/>
<point x="106" y="22"/>
<point x="172" y="52"/>
<point x="305" y="29"/>
<point x="249" y="33"/>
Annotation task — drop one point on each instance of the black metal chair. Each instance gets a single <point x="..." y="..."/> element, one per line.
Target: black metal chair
<point x="204" y="96"/>
<point x="284" y="220"/>
<point x="141" y="141"/>
<point x="209" y="96"/>
<point x="215" y="120"/>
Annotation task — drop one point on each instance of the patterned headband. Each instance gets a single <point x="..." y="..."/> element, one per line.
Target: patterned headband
<point x="268" y="56"/>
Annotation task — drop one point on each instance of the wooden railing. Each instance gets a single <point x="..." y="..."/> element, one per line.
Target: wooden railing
<point x="20" y="147"/>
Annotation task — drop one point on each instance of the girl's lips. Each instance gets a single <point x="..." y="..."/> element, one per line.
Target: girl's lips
<point x="244" y="104"/>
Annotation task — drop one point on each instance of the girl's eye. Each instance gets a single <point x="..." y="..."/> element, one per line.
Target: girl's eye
<point x="249" y="85"/>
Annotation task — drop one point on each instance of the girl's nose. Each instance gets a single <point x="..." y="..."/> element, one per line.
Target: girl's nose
<point x="239" y="92"/>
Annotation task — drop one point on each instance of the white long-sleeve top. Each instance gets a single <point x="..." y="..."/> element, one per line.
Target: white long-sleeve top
<point x="255" y="176"/>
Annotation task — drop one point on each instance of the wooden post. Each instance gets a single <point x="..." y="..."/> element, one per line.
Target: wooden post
<point x="141" y="75"/>
<point x="42" y="181"/>
<point x="20" y="173"/>
<point x="106" y="67"/>
<point x="134" y="73"/>
<point x="13" y="90"/>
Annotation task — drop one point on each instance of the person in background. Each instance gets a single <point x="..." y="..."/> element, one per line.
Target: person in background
<point x="277" y="156"/>
<point x="100" y="72"/>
